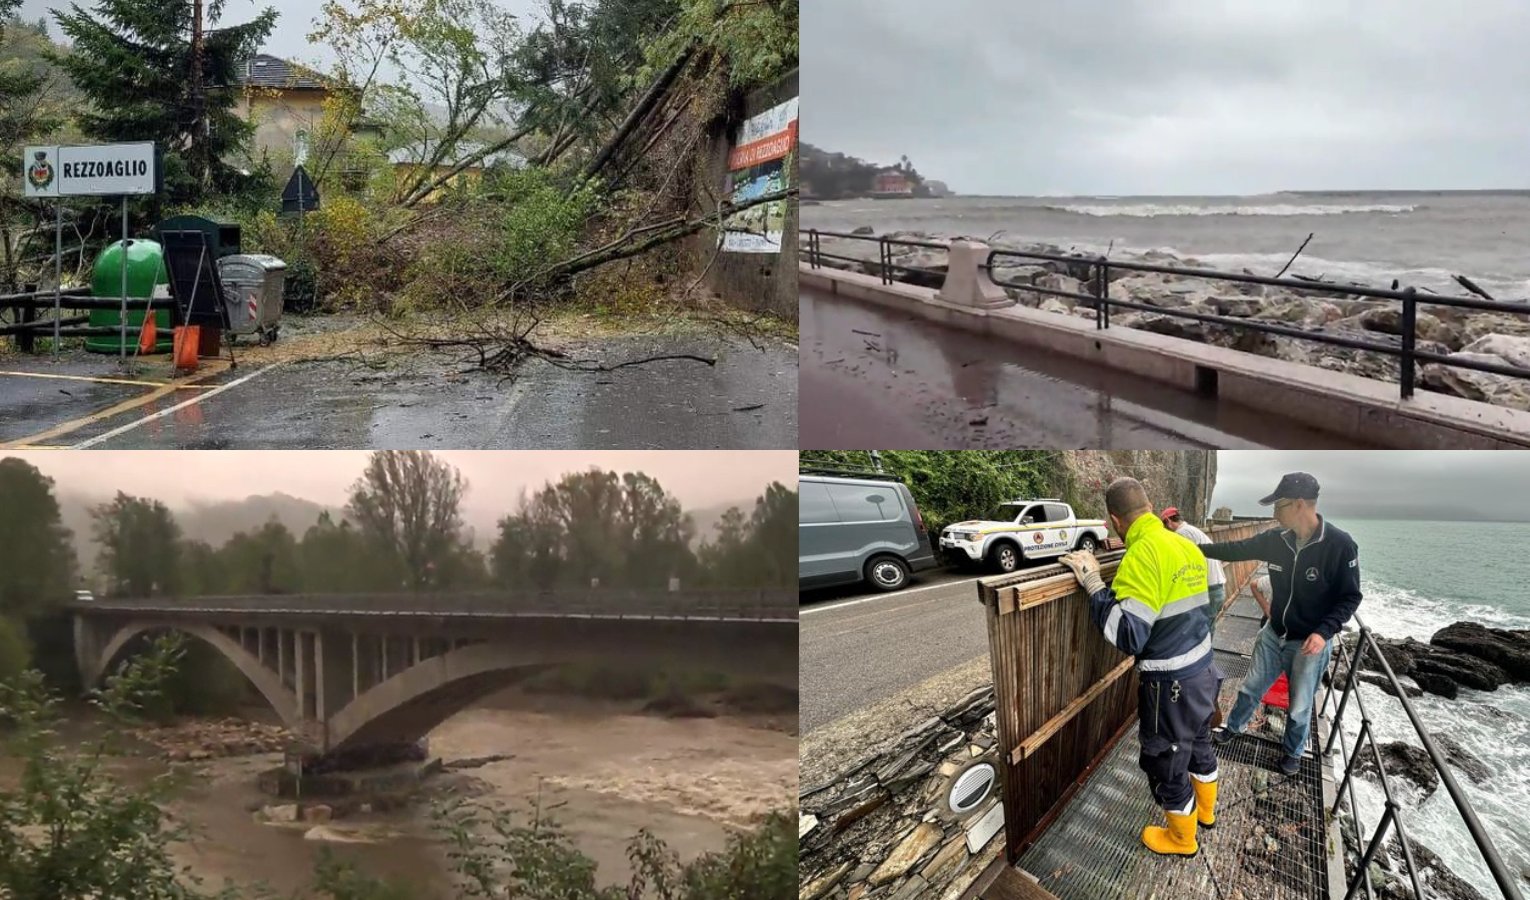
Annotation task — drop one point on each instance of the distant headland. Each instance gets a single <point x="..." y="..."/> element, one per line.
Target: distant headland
<point x="837" y="176"/>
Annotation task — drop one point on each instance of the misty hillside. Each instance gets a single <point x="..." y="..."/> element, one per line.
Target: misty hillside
<point x="213" y="522"/>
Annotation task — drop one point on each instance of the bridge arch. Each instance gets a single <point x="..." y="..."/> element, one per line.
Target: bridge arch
<point x="411" y="703"/>
<point x="265" y="679"/>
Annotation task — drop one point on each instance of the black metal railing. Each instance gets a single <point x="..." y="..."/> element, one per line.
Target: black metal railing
<point x="1391" y="816"/>
<point x="1407" y="349"/>
<point x="886" y="267"/>
<point x="1099" y="270"/>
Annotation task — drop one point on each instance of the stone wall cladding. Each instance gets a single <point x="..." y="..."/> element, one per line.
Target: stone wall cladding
<point x="881" y="829"/>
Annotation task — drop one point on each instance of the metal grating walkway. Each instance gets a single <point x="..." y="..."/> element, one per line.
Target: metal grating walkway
<point x="1270" y="840"/>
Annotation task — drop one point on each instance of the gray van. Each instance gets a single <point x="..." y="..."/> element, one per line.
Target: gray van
<point x="854" y="527"/>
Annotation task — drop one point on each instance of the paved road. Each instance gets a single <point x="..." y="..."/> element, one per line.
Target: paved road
<point x="872" y="376"/>
<point x="747" y="401"/>
<point x="861" y="649"/>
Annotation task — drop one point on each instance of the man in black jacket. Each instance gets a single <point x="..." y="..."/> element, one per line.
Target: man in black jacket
<point x="1315" y="587"/>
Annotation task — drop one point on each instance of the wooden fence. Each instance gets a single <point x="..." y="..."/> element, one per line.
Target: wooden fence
<point x="1064" y="695"/>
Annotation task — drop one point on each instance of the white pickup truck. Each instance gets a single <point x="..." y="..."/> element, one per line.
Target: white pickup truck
<point x="1022" y="530"/>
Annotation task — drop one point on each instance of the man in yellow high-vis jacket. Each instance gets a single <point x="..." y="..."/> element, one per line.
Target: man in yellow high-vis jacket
<point x="1155" y="610"/>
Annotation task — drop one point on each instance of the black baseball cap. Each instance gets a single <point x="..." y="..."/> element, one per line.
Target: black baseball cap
<point x="1293" y="486"/>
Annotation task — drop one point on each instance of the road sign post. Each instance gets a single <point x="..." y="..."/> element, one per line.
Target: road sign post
<point x="93" y="170"/>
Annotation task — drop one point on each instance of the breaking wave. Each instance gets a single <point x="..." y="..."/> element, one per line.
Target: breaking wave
<point x="1152" y="210"/>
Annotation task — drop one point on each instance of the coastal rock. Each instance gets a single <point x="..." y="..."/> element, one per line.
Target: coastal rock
<point x="1436" y="669"/>
<point x="1403" y="760"/>
<point x="1240" y="307"/>
<point x="865" y="229"/>
<point x="1385" y="684"/>
<point x="1509" y="650"/>
<point x="1189" y="329"/>
<point x="1463" y="759"/>
<point x="1485" y="387"/>
<point x="1009" y="270"/>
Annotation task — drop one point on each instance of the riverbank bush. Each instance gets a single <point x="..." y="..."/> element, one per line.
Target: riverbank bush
<point x="15" y="656"/>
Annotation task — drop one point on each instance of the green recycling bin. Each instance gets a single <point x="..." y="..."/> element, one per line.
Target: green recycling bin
<point x="145" y="272"/>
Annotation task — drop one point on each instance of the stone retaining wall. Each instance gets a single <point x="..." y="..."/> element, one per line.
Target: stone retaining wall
<point x="882" y="829"/>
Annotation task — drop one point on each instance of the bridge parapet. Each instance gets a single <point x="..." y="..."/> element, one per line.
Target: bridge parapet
<point x="758" y="605"/>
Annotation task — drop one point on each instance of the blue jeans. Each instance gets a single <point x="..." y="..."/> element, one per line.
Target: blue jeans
<point x="1273" y="656"/>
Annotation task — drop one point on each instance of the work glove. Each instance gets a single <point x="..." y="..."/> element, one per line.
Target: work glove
<point x="1085" y="568"/>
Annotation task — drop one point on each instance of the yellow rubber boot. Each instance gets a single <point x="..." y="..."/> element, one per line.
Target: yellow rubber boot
<point x="1178" y="839"/>
<point x="1205" y="802"/>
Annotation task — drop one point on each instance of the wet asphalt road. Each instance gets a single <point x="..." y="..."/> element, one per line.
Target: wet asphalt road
<point x="747" y="401"/>
<point x="877" y="377"/>
<point x="867" y="647"/>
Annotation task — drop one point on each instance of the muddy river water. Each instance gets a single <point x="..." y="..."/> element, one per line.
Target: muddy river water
<point x="601" y="771"/>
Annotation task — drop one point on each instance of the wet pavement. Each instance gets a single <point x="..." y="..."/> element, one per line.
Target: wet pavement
<point x="872" y="376"/>
<point x="747" y="401"/>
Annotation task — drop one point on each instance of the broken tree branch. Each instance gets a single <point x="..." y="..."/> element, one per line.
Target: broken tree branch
<point x="1472" y="286"/>
<point x="1294" y="256"/>
<point x="672" y="230"/>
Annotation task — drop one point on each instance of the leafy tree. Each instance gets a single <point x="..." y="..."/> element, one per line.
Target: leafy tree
<point x="133" y="60"/>
<point x="37" y="563"/>
<point x="15" y="655"/>
<point x="622" y="530"/>
<point x="338" y="557"/>
<point x="951" y="485"/>
<point x="264" y="561"/>
<point x="406" y="505"/>
<point x="757" y="551"/>
<point x="29" y="110"/>
<point x="140" y="546"/>
<point x="201" y="571"/>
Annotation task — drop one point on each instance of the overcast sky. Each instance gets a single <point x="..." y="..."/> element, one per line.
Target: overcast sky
<point x="495" y="478"/>
<point x="1385" y="484"/>
<point x="1174" y="96"/>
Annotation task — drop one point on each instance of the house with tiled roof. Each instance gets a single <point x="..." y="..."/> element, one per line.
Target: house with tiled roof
<point x="285" y="102"/>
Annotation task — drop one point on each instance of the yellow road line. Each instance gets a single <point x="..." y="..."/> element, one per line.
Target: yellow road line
<point x="129" y="405"/>
<point x="99" y="380"/>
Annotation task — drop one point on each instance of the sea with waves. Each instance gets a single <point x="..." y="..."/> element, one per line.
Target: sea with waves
<point x="1418" y="577"/>
<point x="1419" y="238"/>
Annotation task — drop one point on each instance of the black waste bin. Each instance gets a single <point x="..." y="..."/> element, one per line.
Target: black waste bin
<point x="223" y="235"/>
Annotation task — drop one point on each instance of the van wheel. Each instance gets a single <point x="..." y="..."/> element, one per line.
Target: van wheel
<point x="1005" y="557"/>
<point x="1087" y="542"/>
<point x="887" y="573"/>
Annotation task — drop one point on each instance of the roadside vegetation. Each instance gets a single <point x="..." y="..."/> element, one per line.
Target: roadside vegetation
<point x="954" y="485"/>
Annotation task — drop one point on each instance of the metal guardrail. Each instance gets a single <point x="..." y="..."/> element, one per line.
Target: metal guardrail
<point x="1102" y="303"/>
<point x="756" y="605"/>
<point x="885" y="265"/>
<point x="1392" y="813"/>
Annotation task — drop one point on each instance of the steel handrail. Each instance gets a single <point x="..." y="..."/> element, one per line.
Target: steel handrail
<point x="1100" y="300"/>
<point x="1391" y="814"/>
